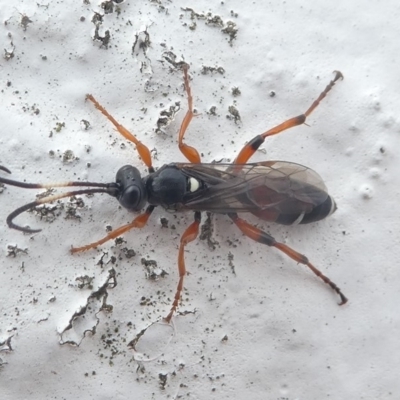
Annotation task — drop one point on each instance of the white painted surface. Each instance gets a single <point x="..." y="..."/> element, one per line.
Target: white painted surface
<point x="286" y="336"/>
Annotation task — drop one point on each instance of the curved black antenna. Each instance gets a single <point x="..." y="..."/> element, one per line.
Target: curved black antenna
<point x="50" y="185"/>
<point x="111" y="191"/>
<point x="110" y="188"/>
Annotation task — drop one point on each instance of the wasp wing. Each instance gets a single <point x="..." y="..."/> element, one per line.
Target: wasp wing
<point x="273" y="186"/>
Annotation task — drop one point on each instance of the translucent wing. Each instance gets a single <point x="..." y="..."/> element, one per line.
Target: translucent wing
<point x="272" y="186"/>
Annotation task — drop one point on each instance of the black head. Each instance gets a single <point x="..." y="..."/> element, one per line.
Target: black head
<point x="132" y="193"/>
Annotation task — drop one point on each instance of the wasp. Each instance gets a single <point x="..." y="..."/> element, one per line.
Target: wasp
<point x="275" y="191"/>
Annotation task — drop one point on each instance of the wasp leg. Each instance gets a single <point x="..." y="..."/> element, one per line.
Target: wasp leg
<point x="250" y="148"/>
<point x="263" y="237"/>
<point x="189" y="152"/>
<point x="188" y="236"/>
<point x="143" y="150"/>
<point x="139" y="222"/>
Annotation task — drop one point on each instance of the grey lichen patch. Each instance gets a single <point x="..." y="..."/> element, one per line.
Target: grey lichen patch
<point x="85" y="124"/>
<point x="231" y="30"/>
<point x="85" y="282"/>
<point x="59" y="126"/>
<point x="172" y="59"/>
<point x="97" y="20"/>
<point x="72" y="208"/>
<point x="101" y="35"/>
<point x="5" y="347"/>
<point x="231" y="264"/>
<point x="167" y="116"/>
<point x="85" y="320"/>
<point x="207" y="69"/>
<point x="105" y="40"/>
<point x="209" y="18"/>
<point x="9" y="53"/>
<point x="162" y="380"/>
<point x="68" y="157"/>
<point x="142" y="42"/>
<point x="107" y="6"/>
<point x="236" y="91"/>
<point x="164" y="222"/>
<point x="34" y="110"/>
<point x="140" y="48"/>
<point x="14" y="251"/>
<point x="25" y="21"/>
<point x="153" y="272"/>
<point x="48" y="213"/>
<point x="212" y="111"/>
<point x="129" y="253"/>
<point x="160" y="6"/>
<point x="106" y="259"/>
<point x="206" y="232"/>
<point x="233" y="114"/>
<point x="229" y="27"/>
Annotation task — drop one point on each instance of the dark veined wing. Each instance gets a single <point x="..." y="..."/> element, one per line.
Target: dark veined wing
<point x="276" y="186"/>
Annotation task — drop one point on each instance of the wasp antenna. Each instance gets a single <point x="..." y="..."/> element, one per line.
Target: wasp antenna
<point x="5" y="169"/>
<point x="15" y="214"/>
<point x="50" y="185"/>
<point x="111" y="189"/>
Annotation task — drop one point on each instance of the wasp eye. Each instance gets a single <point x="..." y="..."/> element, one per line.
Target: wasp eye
<point x="131" y="198"/>
<point x="132" y="194"/>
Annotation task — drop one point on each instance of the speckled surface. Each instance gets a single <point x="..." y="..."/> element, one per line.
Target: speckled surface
<point x="252" y="323"/>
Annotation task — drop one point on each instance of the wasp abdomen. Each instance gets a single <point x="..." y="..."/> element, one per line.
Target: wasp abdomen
<point x="316" y="214"/>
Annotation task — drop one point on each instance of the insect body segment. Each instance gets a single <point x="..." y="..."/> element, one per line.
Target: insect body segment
<point x="275" y="191"/>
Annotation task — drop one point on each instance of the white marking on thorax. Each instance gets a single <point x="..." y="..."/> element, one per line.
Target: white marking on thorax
<point x="193" y="184"/>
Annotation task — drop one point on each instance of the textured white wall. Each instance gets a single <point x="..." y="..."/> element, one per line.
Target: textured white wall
<point x="286" y="338"/>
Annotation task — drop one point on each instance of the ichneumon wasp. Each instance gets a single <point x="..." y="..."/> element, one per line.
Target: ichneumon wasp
<point x="274" y="191"/>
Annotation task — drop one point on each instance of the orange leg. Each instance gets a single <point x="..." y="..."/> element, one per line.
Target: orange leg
<point x="139" y="222"/>
<point x="263" y="237"/>
<point x="143" y="150"/>
<point x="250" y="148"/>
<point x="189" y="152"/>
<point x="188" y="236"/>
